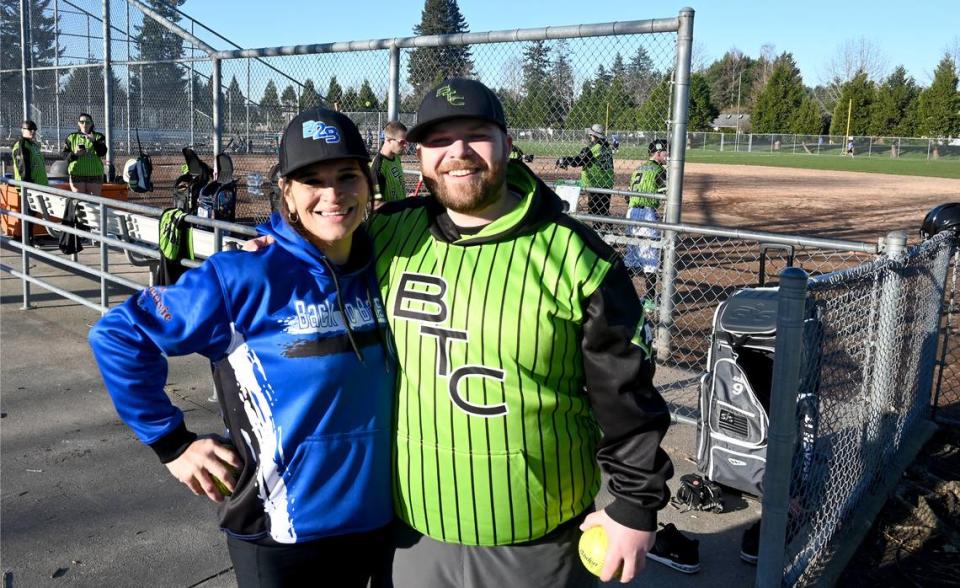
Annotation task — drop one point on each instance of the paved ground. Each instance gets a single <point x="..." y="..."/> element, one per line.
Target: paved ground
<point x="84" y="504"/>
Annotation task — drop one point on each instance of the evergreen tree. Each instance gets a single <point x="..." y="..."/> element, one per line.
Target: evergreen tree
<point x="270" y="106"/>
<point x="43" y="51"/>
<point x="334" y="93"/>
<point x="862" y="93"/>
<point x="539" y="106"/>
<point x="641" y="76"/>
<point x="807" y="119"/>
<point x="731" y="79"/>
<point x="561" y="78"/>
<point x="429" y="65"/>
<point x="585" y="108"/>
<point x="655" y="111"/>
<point x="779" y="100"/>
<point x="702" y="112"/>
<point x="938" y="105"/>
<point x="892" y="111"/>
<point x="308" y="96"/>
<point x="163" y="85"/>
<point x="235" y="105"/>
<point x="288" y="100"/>
<point x="366" y="98"/>
<point x="351" y="101"/>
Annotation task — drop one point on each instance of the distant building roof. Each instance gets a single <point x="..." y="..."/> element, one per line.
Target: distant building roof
<point x="728" y="120"/>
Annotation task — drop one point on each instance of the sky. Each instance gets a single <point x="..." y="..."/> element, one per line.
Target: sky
<point x="913" y="34"/>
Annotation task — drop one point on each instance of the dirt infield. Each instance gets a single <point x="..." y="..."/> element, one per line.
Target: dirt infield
<point x="828" y="204"/>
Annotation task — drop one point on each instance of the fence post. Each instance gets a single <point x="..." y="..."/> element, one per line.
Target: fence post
<point x="215" y="84"/>
<point x="721" y="142"/>
<point x="104" y="255"/>
<point x="679" y="115"/>
<point x="791" y="311"/>
<point x="393" y="91"/>
<point x="26" y="234"/>
<point x="108" y="91"/>
<point x="25" y="86"/>
<point x="946" y="308"/>
<point x="886" y="357"/>
<point x="750" y="143"/>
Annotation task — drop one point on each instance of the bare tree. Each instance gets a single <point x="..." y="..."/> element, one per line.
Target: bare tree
<point x="852" y="57"/>
<point x="953" y="50"/>
<point x="698" y="57"/>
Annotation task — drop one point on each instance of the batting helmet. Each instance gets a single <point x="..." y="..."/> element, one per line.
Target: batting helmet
<point x="941" y="218"/>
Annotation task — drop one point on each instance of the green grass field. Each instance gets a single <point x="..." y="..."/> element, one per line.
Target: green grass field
<point x="942" y="168"/>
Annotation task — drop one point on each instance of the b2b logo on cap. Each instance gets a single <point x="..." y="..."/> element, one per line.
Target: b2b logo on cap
<point x="317" y="130"/>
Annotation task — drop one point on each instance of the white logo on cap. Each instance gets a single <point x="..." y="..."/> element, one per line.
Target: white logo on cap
<point x="316" y="130"/>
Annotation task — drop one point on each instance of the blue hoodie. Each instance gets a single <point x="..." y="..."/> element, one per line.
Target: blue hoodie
<point x="307" y="399"/>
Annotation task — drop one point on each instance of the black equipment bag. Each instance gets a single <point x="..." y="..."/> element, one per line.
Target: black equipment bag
<point x="186" y="188"/>
<point x="218" y="199"/>
<point x="137" y="172"/>
<point x="735" y="393"/>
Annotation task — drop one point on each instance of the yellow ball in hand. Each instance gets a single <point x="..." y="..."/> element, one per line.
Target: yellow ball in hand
<point x="593" y="549"/>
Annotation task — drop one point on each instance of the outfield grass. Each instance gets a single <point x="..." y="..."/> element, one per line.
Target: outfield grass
<point x="901" y="167"/>
<point x="942" y="168"/>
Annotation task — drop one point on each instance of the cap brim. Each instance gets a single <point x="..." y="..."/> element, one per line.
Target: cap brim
<point x="417" y="133"/>
<point x="300" y="165"/>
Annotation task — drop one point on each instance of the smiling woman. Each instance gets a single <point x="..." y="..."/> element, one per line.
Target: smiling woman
<point x="296" y="335"/>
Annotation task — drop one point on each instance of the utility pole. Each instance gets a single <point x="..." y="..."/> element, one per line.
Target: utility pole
<point x="849" y="112"/>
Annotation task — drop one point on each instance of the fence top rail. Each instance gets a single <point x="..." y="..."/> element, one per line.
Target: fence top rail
<point x="150" y="211"/>
<point x="659" y="25"/>
<point x="759" y="236"/>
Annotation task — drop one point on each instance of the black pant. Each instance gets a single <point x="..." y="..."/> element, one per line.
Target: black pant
<point x="347" y="560"/>
<point x="598" y="204"/>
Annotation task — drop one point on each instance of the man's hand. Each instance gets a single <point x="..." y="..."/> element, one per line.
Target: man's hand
<point x="625" y="546"/>
<point x="257" y="243"/>
<point x="203" y="458"/>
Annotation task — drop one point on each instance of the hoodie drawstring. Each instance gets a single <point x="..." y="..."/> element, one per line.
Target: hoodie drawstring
<point x="343" y="311"/>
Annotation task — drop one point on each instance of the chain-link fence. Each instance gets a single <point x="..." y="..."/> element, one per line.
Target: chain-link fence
<point x="177" y="83"/>
<point x="946" y="402"/>
<point x="860" y="395"/>
<point x="788" y="144"/>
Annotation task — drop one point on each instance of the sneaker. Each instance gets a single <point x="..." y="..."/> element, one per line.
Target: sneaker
<point x="750" y="546"/>
<point x="675" y="550"/>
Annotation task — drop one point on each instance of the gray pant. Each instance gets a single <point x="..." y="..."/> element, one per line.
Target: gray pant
<point x="550" y="562"/>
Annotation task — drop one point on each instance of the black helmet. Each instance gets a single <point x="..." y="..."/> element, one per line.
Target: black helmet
<point x="941" y="218"/>
<point x="659" y="145"/>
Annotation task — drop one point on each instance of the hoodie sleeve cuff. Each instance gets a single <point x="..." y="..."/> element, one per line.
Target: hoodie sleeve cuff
<point x="173" y="444"/>
<point x="628" y="515"/>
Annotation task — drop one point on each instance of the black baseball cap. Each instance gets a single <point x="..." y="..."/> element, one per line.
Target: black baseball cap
<point x="29" y="125"/>
<point x="320" y="134"/>
<point x="457" y="98"/>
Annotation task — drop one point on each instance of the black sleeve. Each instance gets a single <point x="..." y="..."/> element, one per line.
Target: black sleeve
<point x="582" y="159"/>
<point x="633" y="417"/>
<point x="67" y="151"/>
<point x="99" y="145"/>
<point x="173" y="444"/>
<point x="381" y="181"/>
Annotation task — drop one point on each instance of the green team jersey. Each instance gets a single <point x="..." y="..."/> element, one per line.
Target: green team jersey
<point x="598" y="170"/>
<point x="88" y="164"/>
<point x="28" y="162"/>
<point x="651" y="177"/>
<point x="498" y="334"/>
<point x="389" y="174"/>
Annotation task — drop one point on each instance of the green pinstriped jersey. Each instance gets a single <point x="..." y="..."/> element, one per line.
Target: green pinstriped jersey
<point x="89" y="164"/>
<point x="389" y="175"/>
<point x="496" y="441"/>
<point x="651" y="178"/>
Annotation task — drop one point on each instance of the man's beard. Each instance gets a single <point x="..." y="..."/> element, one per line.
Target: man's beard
<point x="483" y="191"/>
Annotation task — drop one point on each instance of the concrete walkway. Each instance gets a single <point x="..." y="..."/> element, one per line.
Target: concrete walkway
<point x="85" y="504"/>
